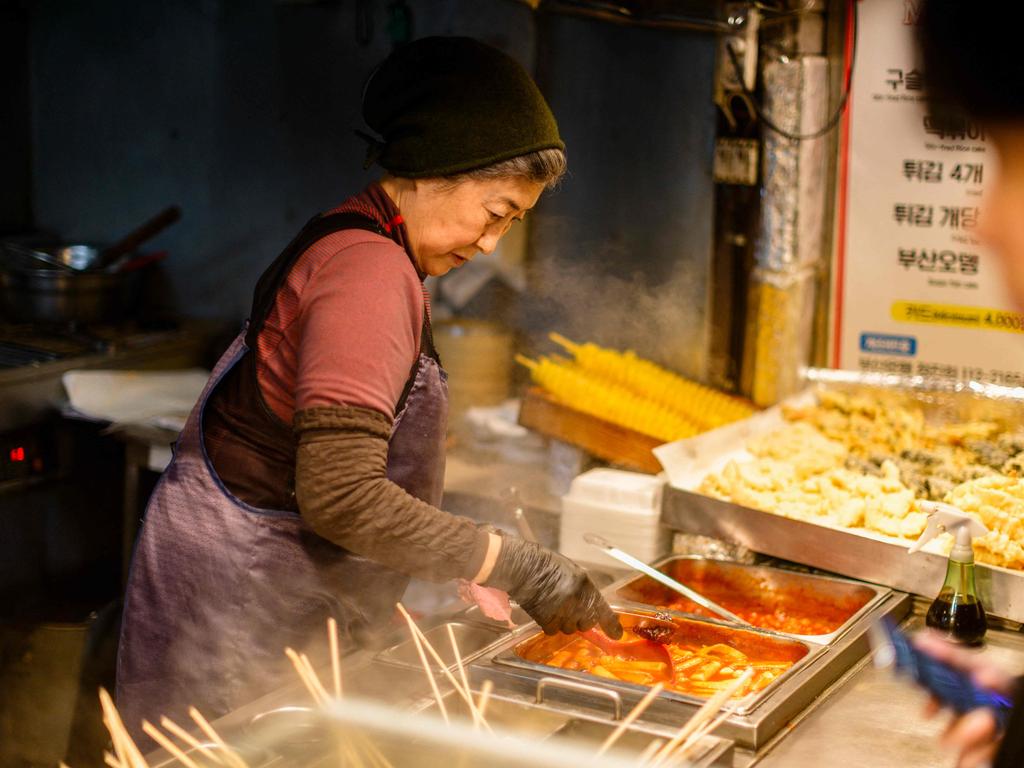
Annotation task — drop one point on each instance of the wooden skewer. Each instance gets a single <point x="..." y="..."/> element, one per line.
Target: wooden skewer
<point x="525" y="361"/>
<point x="351" y="749"/>
<point x="377" y="755"/>
<point x="373" y="755"/>
<point x="648" y="753"/>
<point x="348" y="752"/>
<point x="638" y="710"/>
<point x="440" y="662"/>
<point x="485" y="697"/>
<point x="304" y="667"/>
<point x="702" y="715"/>
<point x="694" y="738"/>
<point x="462" y="675"/>
<point x="173" y="728"/>
<point x="172" y="749"/>
<point x="115" y="736"/>
<point x="332" y="636"/>
<point x="124" y="746"/>
<point x="117" y="740"/>
<point x="314" y="677"/>
<point x="564" y="342"/>
<point x="425" y="663"/>
<point x="232" y="756"/>
<point x="115" y="761"/>
<point x="352" y="755"/>
<point x="300" y="668"/>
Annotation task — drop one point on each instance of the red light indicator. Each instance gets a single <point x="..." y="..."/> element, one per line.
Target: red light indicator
<point x="18" y="454"/>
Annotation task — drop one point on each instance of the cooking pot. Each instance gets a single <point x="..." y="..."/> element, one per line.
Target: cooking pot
<point x="33" y="291"/>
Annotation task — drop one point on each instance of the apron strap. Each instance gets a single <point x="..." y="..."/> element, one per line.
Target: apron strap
<point x="270" y="282"/>
<point x="273" y="277"/>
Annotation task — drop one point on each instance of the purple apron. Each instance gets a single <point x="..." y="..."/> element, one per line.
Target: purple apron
<point x="219" y="588"/>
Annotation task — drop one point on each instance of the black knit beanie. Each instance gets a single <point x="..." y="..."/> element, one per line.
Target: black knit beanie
<point x="446" y="105"/>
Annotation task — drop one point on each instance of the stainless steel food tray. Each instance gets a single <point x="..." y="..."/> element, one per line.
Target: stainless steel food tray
<point x="299" y="737"/>
<point x="820" y="586"/>
<point x="856" y="553"/>
<point x="743" y="706"/>
<point x="840" y="551"/>
<point x="472" y="637"/>
<point x="534" y="717"/>
<point x="282" y="728"/>
<point x="763" y="718"/>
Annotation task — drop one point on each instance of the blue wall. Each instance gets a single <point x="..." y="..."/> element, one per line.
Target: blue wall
<point x="242" y="112"/>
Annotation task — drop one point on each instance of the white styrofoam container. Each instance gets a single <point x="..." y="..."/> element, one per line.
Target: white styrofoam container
<point x="623" y="507"/>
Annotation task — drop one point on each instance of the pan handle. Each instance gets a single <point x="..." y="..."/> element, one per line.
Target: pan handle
<point x="138" y="236"/>
<point x="571" y="685"/>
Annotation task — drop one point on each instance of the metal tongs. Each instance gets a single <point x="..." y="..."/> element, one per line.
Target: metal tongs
<point x="514" y="503"/>
<point x="624" y="557"/>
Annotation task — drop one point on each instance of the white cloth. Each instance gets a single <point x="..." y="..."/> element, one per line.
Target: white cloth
<point x="153" y="398"/>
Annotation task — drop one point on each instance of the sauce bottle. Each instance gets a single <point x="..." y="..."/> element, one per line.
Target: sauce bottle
<point x="957" y="611"/>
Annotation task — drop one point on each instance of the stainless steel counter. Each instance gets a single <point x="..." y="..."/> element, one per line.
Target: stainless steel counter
<point x="29" y="391"/>
<point x="866" y="718"/>
<point x="870" y="718"/>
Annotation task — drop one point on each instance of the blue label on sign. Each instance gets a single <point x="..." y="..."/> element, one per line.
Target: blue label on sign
<point x="884" y="344"/>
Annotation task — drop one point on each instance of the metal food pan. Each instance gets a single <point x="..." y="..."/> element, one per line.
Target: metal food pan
<point x="472" y="638"/>
<point x="710" y="751"/>
<point x="797" y="590"/>
<point x="301" y="736"/>
<point x="774" y="707"/>
<point x="703" y="631"/>
<point x="851" y="552"/>
<point x="542" y="722"/>
<point x="518" y="617"/>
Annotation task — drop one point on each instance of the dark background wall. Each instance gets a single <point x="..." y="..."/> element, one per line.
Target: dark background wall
<point x="15" y="121"/>
<point x="242" y="113"/>
<point x="623" y="251"/>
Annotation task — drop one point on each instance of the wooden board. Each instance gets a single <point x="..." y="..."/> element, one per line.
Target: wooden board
<point x="607" y="441"/>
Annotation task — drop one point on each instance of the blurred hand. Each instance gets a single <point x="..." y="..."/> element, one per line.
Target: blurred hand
<point x="975" y="734"/>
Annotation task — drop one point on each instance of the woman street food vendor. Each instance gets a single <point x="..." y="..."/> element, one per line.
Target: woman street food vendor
<point x="306" y="481"/>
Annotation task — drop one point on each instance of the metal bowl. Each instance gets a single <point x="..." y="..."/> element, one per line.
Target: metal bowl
<point x="78" y="257"/>
<point x="32" y="291"/>
<point x="33" y="254"/>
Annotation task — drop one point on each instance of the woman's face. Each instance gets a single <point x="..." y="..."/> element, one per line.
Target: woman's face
<point x="1001" y="222"/>
<point x="448" y="225"/>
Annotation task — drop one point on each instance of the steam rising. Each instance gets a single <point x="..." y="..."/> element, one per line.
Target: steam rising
<point x="591" y="300"/>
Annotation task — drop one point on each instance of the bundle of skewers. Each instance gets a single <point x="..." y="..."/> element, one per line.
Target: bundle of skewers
<point x="631" y="392"/>
<point x="353" y="749"/>
<point x="126" y="754"/>
<point x="357" y="750"/>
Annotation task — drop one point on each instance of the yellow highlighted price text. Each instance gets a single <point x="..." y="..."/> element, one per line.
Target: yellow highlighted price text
<point x="981" y="318"/>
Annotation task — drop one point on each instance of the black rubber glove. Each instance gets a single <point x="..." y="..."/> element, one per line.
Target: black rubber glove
<point x="551" y="588"/>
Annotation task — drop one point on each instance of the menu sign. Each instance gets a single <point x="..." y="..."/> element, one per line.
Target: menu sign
<point x="915" y="291"/>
